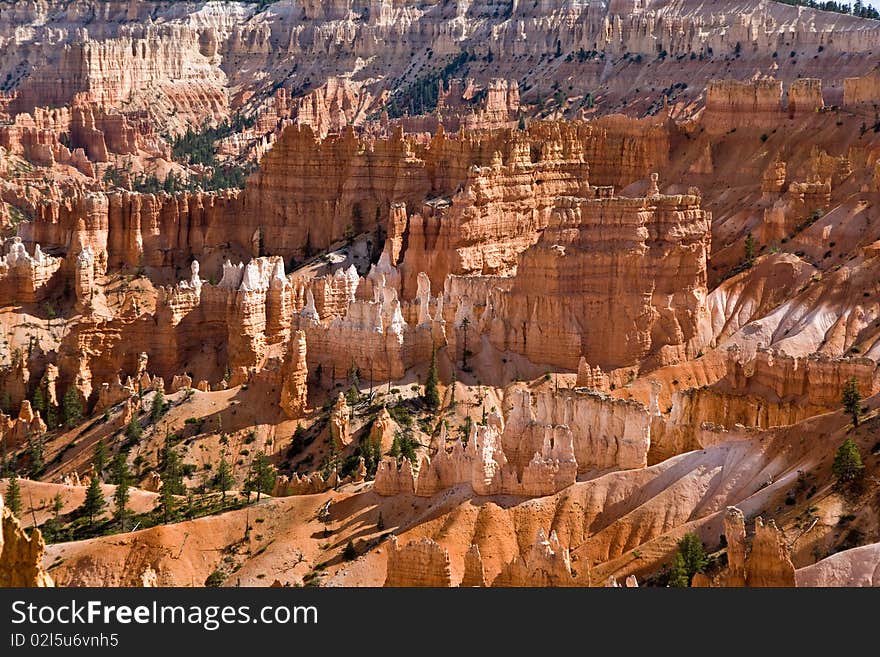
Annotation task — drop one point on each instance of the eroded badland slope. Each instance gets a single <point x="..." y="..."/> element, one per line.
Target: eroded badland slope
<point x="438" y="294"/>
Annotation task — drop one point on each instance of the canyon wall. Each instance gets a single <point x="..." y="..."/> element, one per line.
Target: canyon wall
<point x="577" y="272"/>
<point x="538" y="450"/>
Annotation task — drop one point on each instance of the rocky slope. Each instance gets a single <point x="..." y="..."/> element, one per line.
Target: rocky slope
<point x="438" y="294"/>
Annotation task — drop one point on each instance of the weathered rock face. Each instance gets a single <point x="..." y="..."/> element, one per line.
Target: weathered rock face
<point x="36" y="137"/>
<point x="731" y="103"/>
<point x="546" y="564"/>
<point x="291" y="190"/>
<point x="537" y="451"/>
<point x="565" y="279"/>
<point x="862" y="92"/>
<point x="854" y="567"/>
<point x="419" y="563"/>
<point x="769" y="561"/>
<point x="735" y="532"/>
<point x="157" y="68"/>
<point x="294" y="391"/>
<point x="606" y="432"/>
<point x="340" y="415"/>
<point x="15" y="431"/>
<point x="392" y="479"/>
<point x="248" y="311"/>
<point x="473" y="568"/>
<point x="246" y="319"/>
<point x="134" y="230"/>
<point x="815" y="380"/>
<point x="805" y="96"/>
<point x="339" y="103"/>
<point x="25" y="278"/>
<point x="309" y="194"/>
<point x="21" y="555"/>
<point x="758" y="104"/>
<point x="766" y="562"/>
<point x="771" y="389"/>
<point x="383" y="430"/>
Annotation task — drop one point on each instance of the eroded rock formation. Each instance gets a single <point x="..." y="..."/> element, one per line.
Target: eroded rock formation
<point x="21" y="555"/>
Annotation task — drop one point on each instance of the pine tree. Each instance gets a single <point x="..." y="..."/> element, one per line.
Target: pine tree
<point x="847" y="464"/>
<point x="261" y="477"/>
<point x="39" y="401"/>
<point x="852" y="400"/>
<point x="432" y="394"/>
<point x="690" y="560"/>
<point x="72" y="407"/>
<point x="158" y="406"/>
<point x="166" y="500"/>
<point x="172" y="479"/>
<point x="749" y="251"/>
<point x="465" y="429"/>
<point x="51" y="416"/>
<point x="678" y="576"/>
<point x="122" y="479"/>
<point x="452" y="389"/>
<point x="224" y="480"/>
<point x="465" y="323"/>
<point x="99" y="460"/>
<point x="6" y="403"/>
<point x="57" y="505"/>
<point x="354" y="394"/>
<point x="13" y="495"/>
<point x="35" y="451"/>
<point x="133" y="431"/>
<point x="94" y="503"/>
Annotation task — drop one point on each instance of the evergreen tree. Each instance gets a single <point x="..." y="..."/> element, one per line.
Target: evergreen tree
<point x="57" y="505"/>
<point x="94" y="503"/>
<point x="465" y="324"/>
<point x="51" y="416"/>
<point x="133" y="431"/>
<point x="690" y="560"/>
<point x="371" y="451"/>
<point x="72" y="407"/>
<point x="261" y="477"/>
<point x="99" y="460"/>
<point x="432" y="394"/>
<point x="172" y="479"/>
<point x="852" y="400"/>
<point x="158" y="406"/>
<point x="6" y="403"/>
<point x="122" y="479"/>
<point x="465" y="430"/>
<point x="847" y="464"/>
<point x="452" y="389"/>
<point x="354" y="394"/>
<point x="13" y="495"/>
<point x="39" y="401"/>
<point x="404" y="447"/>
<point x="224" y="481"/>
<point x="749" y="259"/>
<point x="35" y="451"/>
